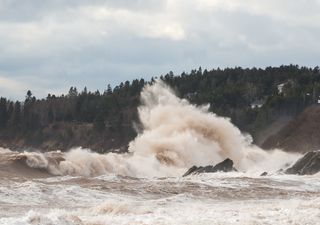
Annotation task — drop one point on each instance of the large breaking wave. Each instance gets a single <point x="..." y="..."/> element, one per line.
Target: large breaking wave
<point x="175" y="135"/>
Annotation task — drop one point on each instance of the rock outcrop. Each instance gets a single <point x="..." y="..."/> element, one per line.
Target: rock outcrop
<point x="264" y="174"/>
<point x="309" y="164"/>
<point x="225" y="166"/>
<point x="302" y="134"/>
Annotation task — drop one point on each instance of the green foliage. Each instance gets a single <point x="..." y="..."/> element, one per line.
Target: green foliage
<point x="230" y="92"/>
<point x="3" y="113"/>
<point x="98" y="123"/>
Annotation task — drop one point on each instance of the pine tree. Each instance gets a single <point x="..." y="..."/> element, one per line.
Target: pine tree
<point x="3" y="113"/>
<point x="98" y="123"/>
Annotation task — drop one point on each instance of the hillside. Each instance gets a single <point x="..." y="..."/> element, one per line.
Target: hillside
<point x="271" y="129"/>
<point x="63" y="136"/>
<point x="302" y="134"/>
<point x="256" y="100"/>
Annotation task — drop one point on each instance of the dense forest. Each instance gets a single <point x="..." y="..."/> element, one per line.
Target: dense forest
<point x="251" y="97"/>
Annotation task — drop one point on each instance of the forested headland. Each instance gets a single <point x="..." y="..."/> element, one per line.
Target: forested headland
<point x="253" y="98"/>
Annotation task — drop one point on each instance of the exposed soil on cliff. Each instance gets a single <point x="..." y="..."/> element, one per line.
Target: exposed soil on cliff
<point x="302" y="134"/>
<point x="63" y="136"/>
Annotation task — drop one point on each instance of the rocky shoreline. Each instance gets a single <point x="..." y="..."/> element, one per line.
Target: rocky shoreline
<point x="309" y="164"/>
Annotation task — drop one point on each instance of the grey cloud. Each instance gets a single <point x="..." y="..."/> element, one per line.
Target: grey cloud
<point x="31" y="10"/>
<point x="56" y="44"/>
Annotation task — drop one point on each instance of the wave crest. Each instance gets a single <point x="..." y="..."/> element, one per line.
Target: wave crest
<point x="175" y="136"/>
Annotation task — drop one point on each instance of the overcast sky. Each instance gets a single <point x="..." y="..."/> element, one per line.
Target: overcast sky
<point x="50" y="45"/>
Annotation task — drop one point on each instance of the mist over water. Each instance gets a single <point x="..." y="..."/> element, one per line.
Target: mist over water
<point x="180" y="134"/>
<point x="175" y="135"/>
<point x="144" y="186"/>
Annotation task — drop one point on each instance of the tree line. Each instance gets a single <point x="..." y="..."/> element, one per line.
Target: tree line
<point x="251" y="97"/>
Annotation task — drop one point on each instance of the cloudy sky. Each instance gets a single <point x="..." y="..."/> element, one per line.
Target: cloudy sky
<point x="50" y="45"/>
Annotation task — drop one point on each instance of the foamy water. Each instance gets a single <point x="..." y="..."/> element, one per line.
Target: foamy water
<point x="207" y="199"/>
<point x="144" y="186"/>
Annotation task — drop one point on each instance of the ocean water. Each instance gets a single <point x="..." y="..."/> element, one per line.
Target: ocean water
<point x="145" y="185"/>
<point x="233" y="198"/>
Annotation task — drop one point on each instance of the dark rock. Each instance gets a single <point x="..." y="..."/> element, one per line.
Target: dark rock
<point x="225" y="166"/>
<point x="280" y="171"/>
<point x="309" y="164"/>
<point x="191" y="170"/>
<point x="264" y="174"/>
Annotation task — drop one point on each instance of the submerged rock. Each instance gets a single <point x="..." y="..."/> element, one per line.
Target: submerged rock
<point x="191" y="170"/>
<point x="264" y="174"/>
<point x="309" y="164"/>
<point x="224" y="166"/>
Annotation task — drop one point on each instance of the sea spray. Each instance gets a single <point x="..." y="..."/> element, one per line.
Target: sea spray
<point x="175" y="135"/>
<point x="181" y="134"/>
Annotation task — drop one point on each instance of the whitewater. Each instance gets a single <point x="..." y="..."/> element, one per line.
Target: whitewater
<point x="145" y="185"/>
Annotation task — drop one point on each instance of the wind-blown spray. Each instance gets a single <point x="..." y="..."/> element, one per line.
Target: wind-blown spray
<point x="175" y="136"/>
<point x="180" y="134"/>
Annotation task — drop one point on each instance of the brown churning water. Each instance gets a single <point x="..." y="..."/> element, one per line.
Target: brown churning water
<point x="175" y="136"/>
<point x="145" y="186"/>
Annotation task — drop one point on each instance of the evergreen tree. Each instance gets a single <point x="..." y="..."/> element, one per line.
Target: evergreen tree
<point x="98" y="123"/>
<point x="109" y="90"/>
<point x="3" y="113"/>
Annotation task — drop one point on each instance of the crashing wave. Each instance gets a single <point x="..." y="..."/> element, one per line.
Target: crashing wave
<point x="175" y="136"/>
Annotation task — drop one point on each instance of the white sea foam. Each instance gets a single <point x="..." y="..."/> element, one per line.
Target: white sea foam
<point x="219" y="198"/>
<point x="272" y="212"/>
<point x="145" y="185"/>
<point x="175" y="136"/>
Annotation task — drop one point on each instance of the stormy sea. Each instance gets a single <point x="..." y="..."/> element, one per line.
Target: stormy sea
<point x="146" y="186"/>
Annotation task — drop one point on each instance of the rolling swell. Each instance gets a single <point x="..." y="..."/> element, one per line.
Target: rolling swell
<point x="175" y="135"/>
<point x="28" y="164"/>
